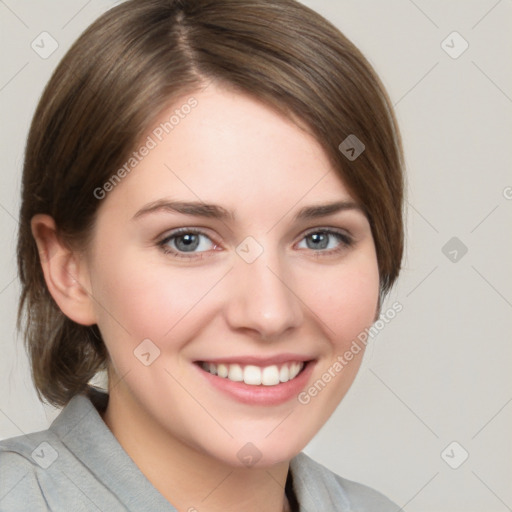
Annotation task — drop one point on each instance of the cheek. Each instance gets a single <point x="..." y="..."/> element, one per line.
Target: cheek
<point x="140" y="298"/>
<point x="346" y="299"/>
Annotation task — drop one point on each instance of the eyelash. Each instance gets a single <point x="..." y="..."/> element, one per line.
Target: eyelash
<point x="345" y="240"/>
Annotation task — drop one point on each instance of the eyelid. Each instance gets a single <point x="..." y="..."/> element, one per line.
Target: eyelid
<point x="184" y="230"/>
<point x="327" y="229"/>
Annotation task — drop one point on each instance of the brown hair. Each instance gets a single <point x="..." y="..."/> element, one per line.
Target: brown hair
<point x="118" y="76"/>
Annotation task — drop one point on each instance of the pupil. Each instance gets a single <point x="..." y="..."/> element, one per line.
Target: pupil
<point x="187" y="242"/>
<point x="319" y="239"/>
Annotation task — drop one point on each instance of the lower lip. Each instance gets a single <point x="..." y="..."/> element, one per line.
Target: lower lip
<point x="260" y="395"/>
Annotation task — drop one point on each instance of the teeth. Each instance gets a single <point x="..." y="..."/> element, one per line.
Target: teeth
<point x="255" y="375"/>
<point x="284" y="374"/>
<point x="294" y="370"/>
<point x="252" y="375"/>
<point x="236" y="373"/>
<point x="222" y="370"/>
<point x="270" y="376"/>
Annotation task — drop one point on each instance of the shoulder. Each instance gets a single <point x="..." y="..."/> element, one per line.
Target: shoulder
<point x="23" y="460"/>
<point x="42" y="471"/>
<point x="318" y="484"/>
<point x="75" y="465"/>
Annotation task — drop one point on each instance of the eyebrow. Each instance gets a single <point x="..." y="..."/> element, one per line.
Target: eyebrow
<point x="213" y="211"/>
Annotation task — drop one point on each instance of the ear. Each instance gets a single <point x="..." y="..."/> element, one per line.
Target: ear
<point x="65" y="272"/>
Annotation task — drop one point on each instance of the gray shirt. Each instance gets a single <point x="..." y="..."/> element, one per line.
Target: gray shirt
<point x="77" y="465"/>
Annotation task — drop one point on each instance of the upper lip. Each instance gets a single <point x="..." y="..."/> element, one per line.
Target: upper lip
<point x="258" y="360"/>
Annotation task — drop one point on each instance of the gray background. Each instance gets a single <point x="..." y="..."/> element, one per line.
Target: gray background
<point x="440" y="371"/>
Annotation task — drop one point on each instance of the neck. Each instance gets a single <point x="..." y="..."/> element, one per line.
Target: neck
<point x="189" y="479"/>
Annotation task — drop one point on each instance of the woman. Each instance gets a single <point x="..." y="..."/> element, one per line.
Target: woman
<point x="212" y="212"/>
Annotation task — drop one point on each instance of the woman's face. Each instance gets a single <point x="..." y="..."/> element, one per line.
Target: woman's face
<point x="261" y="283"/>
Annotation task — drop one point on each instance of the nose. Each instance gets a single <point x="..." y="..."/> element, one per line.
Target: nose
<point x="262" y="298"/>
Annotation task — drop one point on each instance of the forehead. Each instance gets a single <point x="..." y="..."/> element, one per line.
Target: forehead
<point x="229" y="148"/>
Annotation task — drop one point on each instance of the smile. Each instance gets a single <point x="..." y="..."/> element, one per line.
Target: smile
<point x="255" y="375"/>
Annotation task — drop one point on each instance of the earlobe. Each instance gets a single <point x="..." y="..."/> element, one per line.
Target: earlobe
<point x="65" y="271"/>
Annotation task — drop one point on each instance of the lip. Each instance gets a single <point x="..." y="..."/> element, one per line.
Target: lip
<point x="259" y="395"/>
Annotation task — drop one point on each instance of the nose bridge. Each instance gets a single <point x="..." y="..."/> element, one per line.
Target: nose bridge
<point x="263" y="298"/>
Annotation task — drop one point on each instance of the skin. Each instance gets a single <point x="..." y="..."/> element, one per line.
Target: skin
<point x="184" y="434"/>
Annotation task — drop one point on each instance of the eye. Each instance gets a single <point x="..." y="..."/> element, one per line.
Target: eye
<point x="191" y="243"/>
<point x="186" y="243"/>
<point x="326" y="240"/>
